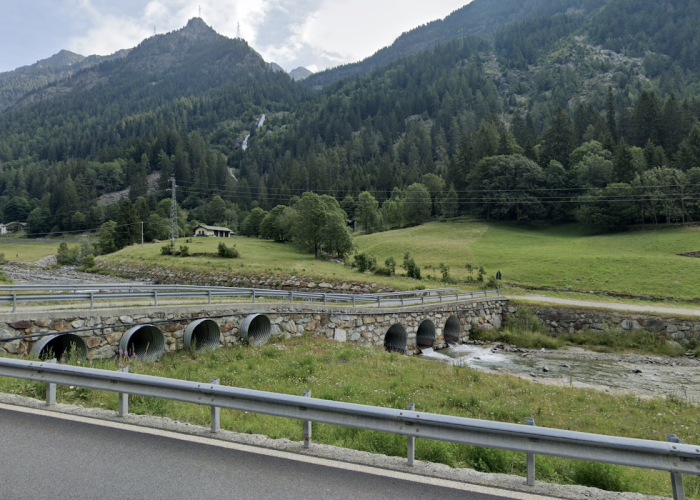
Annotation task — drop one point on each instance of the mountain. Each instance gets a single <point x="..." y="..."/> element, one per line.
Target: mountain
<point x="17" y="83"/>
<point x="575" y="100"/>
<point x="481" y="18"/>
<point x="300" y="74"/>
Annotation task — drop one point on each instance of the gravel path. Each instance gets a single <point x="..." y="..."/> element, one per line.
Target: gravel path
<point x="644" y="309"/>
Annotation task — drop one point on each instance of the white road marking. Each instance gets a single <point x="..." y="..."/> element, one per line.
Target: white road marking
<point x="365" y="469"/>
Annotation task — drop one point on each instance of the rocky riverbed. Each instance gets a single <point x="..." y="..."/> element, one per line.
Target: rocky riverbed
<point x="45" y="272"/>
<point x="643" y="375"/>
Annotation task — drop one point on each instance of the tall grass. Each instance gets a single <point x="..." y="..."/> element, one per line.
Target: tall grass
<point x="344" y="372"/>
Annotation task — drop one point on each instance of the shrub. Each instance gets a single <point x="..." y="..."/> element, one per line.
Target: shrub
<point x="67" y="256"/>
<point x="390" y="264"/>
<point x="184" y="251"/>
<point x="445" y="271"/>
<point x="88" y="261"/>
<point x="365" y="262"/>
<point x="228" y="252"/>
<point x="2" y="259"/>
<point x="168" y="249"/>
<point x="409" y="265"/>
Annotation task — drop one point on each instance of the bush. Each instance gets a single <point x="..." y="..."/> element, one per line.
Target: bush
<point x="184" y="251"/>
<point x="228" y="253"/>
<point x="168" y="249"/>
<point x="67" y="256"/>
<point x="365" y="262"/>
<point x="2" y="259"/>
<point x="390" y="264"/>
<point x="88" y="261"/>
<point x="409" y="265"/>
<point x="445" y="271"/>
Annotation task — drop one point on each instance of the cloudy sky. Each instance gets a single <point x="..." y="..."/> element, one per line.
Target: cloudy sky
<point x="312" y="33"/>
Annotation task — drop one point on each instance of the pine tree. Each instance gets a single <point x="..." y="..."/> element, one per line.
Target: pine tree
<point x="610" y="118"/>
<point x="558" y="141"/>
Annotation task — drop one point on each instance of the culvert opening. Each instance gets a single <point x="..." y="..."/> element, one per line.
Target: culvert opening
<point x="59" y="346"/>
<point x="452" y="330"/>
<point x="147" y="342"/>
<point x="426" y="334"/>
<point x="255" y="329"/>
<point x="395" y="339"/>
<point x="203" y="334"/>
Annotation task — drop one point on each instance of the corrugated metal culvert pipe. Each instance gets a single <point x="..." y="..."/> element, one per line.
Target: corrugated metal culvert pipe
<point x="147" y="342"/>
<point x="425" y="336"/>
<point x="255" y="329"/>
<point x="395" y="339"/>
<point x="57" y="346"/>
<point x="203" y="334"/>
<point x="453" y="330"/>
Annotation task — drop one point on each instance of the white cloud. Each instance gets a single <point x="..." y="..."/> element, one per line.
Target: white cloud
<point x="312" y="33"/>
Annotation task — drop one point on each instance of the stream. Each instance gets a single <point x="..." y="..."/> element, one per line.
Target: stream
<point x="576" y="367"/>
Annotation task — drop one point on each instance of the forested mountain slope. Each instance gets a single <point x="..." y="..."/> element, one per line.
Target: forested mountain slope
<point x="17" y="83"/>
<point x="482" y="18"/>
<point x="542" y="120"/>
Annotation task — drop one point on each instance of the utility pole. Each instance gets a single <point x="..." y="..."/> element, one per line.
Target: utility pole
<point x="141" y="234"/>
<point x="174" y="226"/>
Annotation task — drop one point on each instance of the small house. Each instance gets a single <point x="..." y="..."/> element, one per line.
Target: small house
<point x="3" y="229"/>
<point x="213" y="231"/>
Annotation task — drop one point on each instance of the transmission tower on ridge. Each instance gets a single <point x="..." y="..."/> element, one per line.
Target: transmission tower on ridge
<point x="238" y="31"/>
<point x="174" y="226"/>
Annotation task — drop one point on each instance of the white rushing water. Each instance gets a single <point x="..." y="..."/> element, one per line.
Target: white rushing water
<point x="244" y="146"/>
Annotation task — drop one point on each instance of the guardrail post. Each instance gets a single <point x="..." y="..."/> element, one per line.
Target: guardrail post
<point x="324" y="299"/>
<point x="51" y="389"/>
<point x="422" y="299"/>
<point x="14" y="302"/>
<point x="498" y="292"/>
<point x="253" y="296"/>
<point x="215" y="413"/>
<point x="291" y="296"/>
<point x="209" y="296"/>
<point x="676" y="478"/>
<point x="402" y="301"/>
<point x="92" y="301"/>
<point x="155" y="297"/>
<point x="440" y="295"/>
<point x="353" y="301"/>
<point x="530" y="459"/>
<point x="123" y="398"/>
<point x="307" y="426"/>
<point x="456" y="297"/>
<point x="411" y="442"/>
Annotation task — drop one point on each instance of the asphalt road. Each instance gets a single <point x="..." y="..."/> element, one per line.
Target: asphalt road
<point x="43" y="457"/>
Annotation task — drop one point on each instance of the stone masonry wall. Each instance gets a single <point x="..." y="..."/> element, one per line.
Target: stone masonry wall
<point x="366" y="327"/>
<point x="570" y="320"/>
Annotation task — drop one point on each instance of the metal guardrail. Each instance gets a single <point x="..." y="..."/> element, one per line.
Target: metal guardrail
<point x="672" y="456"/>
<point x="18" y="294"/>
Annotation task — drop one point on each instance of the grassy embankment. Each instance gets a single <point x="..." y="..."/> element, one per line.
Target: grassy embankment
<point x="27" y="250"/>
<point x="640" y="263"/>
<point x="340" y="372"/>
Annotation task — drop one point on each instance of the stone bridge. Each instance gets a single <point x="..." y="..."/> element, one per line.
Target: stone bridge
<point x="99" y="334"/>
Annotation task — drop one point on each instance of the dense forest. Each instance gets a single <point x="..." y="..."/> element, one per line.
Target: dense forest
<point x="560" y="114"/>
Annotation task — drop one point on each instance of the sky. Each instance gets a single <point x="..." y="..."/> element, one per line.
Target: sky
<point x="317" y="34"/>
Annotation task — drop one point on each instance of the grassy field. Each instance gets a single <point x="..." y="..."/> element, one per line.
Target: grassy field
<point x="640" y="263"/>
<point x="257" y="257"/>
<point x="27" y="250"/>
<point x="343" y="372"/>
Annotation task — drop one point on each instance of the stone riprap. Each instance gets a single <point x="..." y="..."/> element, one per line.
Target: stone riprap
<point x="164" y="276"/>
<point x="571" y="320"/>
<point x="102" y="330"/>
